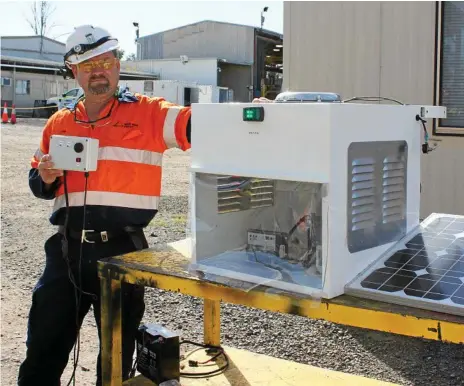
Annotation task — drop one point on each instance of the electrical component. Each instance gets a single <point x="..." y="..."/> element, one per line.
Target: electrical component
<point x="293" y="247"/>
<point x="267" y="241"/>
<point x="253" y="114"/>
<point x="158" y="353"/>
<point x="74" y="153"/>
<point x="433" y="112"/>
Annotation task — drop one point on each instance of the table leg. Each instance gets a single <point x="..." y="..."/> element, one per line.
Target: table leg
<point x="111" y="356"/>
<point x="212" y="322"/>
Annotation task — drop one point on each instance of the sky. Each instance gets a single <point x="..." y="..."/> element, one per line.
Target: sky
<point x="152" y="16"/>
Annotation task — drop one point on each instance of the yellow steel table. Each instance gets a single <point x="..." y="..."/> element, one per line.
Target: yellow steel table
<point x="165" y="268"/>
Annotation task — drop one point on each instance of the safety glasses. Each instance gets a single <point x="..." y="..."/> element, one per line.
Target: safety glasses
<point x="106" y="64"/>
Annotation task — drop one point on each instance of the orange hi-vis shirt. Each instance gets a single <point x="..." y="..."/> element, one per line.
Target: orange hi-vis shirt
<point x="126" y="187"/>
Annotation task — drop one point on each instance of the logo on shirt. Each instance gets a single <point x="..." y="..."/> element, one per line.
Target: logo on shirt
<point x="126" y="124"/>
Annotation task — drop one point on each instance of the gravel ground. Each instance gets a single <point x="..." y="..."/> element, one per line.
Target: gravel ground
<point x="25" y="226"/>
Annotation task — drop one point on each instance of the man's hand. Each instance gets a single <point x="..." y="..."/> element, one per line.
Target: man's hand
<point x="46" y="171"/>
<point x="262" y="100"/>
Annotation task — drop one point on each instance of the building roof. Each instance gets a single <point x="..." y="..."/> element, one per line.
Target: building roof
<point x="126" y="63"/>
<point x="269" y="32"/>
<point x="34" y="37"/>
<point x="30" y="61"/>
<point x="33" y="47"/>
<point x="48" y="65"/>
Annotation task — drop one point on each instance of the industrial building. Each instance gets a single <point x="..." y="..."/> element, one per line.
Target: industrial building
<point x="246" y="59"/>
<point x="409" y="51"/>
<point x="30" y="67"/>
<point x="238" y="61"/>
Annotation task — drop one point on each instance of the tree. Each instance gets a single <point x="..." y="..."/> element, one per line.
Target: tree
<point x="41" y="20"/>
<point x="130" y="57"/>
<point x="121" y="53"/>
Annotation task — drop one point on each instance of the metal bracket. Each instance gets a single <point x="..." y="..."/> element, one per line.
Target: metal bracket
<point x="432" y="112"/>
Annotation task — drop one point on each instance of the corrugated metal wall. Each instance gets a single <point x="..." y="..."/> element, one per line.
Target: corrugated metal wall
<point x="202" y="71"/>
<point x="375" y="48"/>
<point x="201" y="40"/>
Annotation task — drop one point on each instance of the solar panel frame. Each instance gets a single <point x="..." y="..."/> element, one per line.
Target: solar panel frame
<point x="425" y="269"/>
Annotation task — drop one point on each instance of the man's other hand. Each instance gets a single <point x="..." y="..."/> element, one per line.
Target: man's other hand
<point x="46" y="171"/>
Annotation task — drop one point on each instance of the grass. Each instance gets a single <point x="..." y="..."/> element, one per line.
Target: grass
<point x="164" y="221"/>
<point x="179" y="218"/>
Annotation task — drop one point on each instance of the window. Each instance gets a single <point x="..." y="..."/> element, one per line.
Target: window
<point x="450" y="66"/>
<point x="53" y="88"/>
<point x="72" y="93"/>
<point x="6" y="81"/>
<point x="23" y="87"/>
<point x="148" y="86"/>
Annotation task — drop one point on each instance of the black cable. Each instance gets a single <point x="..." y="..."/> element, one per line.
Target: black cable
<point x="371" y="99"/>
<point x="193" y="363"/>
<point x="309" y="233"/>
<point x="209" y="348"/>
<point x="65" y="247"/>
<point x="425" y="146"/>
<point x="301" y="220"/>
<point x="78" y="291"/>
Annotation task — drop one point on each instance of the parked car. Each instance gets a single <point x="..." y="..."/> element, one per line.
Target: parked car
<point x="68" y="96"/>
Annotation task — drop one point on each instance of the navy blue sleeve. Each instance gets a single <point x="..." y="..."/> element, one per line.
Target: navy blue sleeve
<point x="37" y="186"/>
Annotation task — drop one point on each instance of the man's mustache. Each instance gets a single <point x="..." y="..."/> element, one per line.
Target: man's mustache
<point x="98" y="77"/>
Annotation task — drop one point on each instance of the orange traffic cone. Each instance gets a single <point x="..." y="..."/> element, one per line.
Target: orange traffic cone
<point x="13" y="115"/>
<point x="5" y="114"/>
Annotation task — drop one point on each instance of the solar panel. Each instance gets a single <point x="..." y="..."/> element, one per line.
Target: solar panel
<point x="424" y="270"/>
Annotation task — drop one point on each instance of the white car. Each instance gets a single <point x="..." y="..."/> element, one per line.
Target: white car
<point x="69" y="96"/>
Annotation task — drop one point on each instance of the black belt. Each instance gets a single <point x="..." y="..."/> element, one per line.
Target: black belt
<point x="92" y="236"/>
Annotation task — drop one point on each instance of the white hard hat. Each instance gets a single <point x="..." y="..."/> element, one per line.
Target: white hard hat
<point x="88" y="41"/>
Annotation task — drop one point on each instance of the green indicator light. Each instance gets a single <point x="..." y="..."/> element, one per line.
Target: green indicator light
<point x="253" y="114"/>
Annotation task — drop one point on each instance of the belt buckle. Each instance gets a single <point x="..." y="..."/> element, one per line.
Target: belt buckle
<point x="103" y="236"/>
<point x="84" y="238"/>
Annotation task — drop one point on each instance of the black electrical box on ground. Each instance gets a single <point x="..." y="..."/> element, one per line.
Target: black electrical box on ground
<point x="158" y="353"/>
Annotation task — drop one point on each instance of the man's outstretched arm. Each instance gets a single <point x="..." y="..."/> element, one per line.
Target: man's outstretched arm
<point x="176" y="125"/>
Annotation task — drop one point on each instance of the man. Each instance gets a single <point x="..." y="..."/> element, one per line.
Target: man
<point x="117" y="201"/>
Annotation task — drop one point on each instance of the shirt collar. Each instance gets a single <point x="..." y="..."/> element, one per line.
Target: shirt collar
<point x="122" y="94"/>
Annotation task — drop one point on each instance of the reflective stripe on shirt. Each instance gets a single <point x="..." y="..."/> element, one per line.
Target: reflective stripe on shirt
<point x="124" y="200"/>
<point x="169" y="128"/>
<point x="113" y="153"/>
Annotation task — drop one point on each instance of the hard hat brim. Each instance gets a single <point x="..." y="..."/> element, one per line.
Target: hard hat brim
<point x="105" y="47"/>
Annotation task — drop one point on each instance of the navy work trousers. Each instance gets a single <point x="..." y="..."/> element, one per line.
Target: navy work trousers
<point x="52" y="328"/>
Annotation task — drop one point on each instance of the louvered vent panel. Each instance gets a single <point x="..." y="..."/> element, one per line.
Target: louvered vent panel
<point x="240" y="193"/>
<point x="362" y="193"/>
<point x="393" y="189"/>
<point x="377" y="186"/>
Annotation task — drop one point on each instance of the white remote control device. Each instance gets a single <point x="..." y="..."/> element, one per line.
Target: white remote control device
<point x="74" y="153"/>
